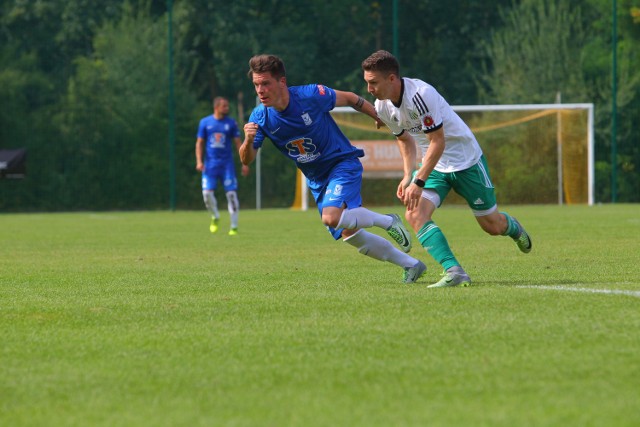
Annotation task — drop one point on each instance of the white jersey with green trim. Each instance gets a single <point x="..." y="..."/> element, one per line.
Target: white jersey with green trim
<point x="422" y="110"/>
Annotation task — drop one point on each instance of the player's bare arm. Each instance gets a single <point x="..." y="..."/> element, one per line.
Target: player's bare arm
<point x="246" y="150"/>
<point x="413" y="193"/>
<point x="245" y="168"/>
<point x="199" y="147"/>
<point x="358" y="103"/>
<point x="408" y="150"/>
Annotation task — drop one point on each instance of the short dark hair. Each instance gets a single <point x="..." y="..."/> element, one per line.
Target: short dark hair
<point x="267" y="64"/>
<point x="218" y="99"/>
<point x="382" y="61"/>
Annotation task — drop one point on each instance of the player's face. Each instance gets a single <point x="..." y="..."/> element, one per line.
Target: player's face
<point x="378" y="84"/>
<point x="269" y="89"/>
<point x="222" y="108"/>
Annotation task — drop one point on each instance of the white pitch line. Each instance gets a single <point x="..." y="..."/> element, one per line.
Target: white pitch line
<point x="588" y="290"/>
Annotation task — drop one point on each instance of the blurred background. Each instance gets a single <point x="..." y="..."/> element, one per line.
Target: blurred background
<point x="106" y="95"/>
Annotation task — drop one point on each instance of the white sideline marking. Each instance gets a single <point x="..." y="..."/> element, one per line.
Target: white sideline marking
<point x="593" y="291"/>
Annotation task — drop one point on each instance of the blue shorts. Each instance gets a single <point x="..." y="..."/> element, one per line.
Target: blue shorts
<point x="225" y="173"/>
<point x="340" y="189"/>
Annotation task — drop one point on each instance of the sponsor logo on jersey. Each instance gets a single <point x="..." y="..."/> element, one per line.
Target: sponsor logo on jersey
<point x="321" y="90"/>
<point x="307" y="119"/>
<point x="217" y="139"/>
<point x="302" y="150"/>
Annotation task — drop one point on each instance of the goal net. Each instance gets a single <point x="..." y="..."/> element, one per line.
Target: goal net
<point x="537" y="153"/>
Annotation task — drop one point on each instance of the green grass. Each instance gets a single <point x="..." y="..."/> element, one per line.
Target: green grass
<point x="146" y="319"/>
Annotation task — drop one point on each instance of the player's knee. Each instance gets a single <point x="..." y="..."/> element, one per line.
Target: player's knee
<point x="330" y="220"/>
<point x="416" y="218"/>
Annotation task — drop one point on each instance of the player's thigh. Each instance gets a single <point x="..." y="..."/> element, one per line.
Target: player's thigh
<point x="340" y="191"/>
<point x="209" y="180"/>
<point x="228" y="176"/>
<point x="343" y="186"/>
<point x="475" y="186"/>
<point x="440" y="183"/>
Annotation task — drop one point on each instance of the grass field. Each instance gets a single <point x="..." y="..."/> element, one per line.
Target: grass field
<point x="146" y="319"/>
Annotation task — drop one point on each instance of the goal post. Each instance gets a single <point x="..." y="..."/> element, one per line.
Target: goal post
<point x="574" y="139"/>
<point x="537" y="153"/>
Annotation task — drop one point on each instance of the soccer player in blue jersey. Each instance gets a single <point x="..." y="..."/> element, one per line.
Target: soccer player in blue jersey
<point x="217" y="134"/>
<point x="297" y="121"/>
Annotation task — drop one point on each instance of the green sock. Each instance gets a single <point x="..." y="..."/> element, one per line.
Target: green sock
<point x="432" y="239"/>
<point x="512" y="228"/>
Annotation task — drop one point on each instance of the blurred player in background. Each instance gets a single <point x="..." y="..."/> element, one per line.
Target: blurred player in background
<point x="217" y="134"/>
<point x="450" y="159"/>
<point x="297" y="121"/>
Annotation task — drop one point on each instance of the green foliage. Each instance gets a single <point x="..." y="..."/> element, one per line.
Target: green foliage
<point x="84" y="84"/>
<point x="139" y="319"/>
<point x="537" y="54"/>
<point x="551" y="47"/>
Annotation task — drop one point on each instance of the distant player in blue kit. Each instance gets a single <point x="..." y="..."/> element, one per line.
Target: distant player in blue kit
<point x="297" y="121"/>
<point x="216" y="136"/>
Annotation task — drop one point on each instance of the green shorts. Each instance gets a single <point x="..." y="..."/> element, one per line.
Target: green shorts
<point x="473" y="184"/>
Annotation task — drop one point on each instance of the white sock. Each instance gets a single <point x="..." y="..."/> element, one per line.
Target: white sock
<point x="363" y="218"/>
<point x="211" y="203"/>
<point x="234" y="207"/>
<point x="379" y="248"/>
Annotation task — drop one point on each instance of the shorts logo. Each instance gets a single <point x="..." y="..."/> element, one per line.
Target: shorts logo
<point x="321" y="90"/>
<point x="338" y="190"/>
<point x="478" y="201"/>
<point x="307" y="119"/>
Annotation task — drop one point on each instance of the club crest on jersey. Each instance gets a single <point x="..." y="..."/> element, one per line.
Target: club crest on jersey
<point x="307" y="119"/>
<point x="302" y="150"/>
<point x="427" y="121"/>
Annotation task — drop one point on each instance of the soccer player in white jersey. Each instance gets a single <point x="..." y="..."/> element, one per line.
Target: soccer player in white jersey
<point x="422" y="121"/>
<point x="297" y="121"/>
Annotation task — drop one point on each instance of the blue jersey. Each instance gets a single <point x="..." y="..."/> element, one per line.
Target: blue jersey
<point x="218" y="136"/>
<point x="305" y="132"/>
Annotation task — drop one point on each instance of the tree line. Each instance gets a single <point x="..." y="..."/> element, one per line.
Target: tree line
<point x="84" y="84"/>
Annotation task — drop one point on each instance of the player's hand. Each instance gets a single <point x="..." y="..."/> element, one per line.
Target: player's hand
<point x="245" y="170"/>
<point x="199" y="166"/>
<point x="412" y="196"/>
<point x="379" y="123"/>
<point x="400" y="192"/>
<point x="250" y="131"/>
